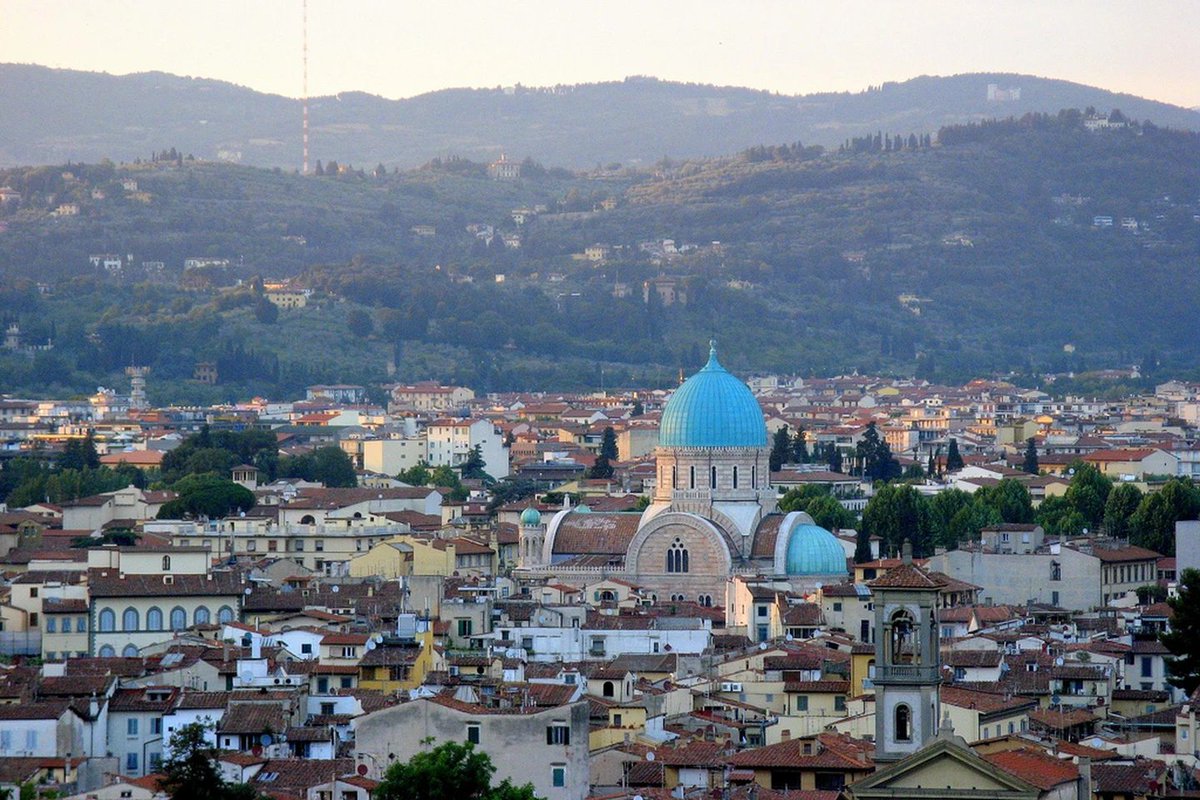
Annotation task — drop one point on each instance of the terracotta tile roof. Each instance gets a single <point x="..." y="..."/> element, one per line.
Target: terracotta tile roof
<point x="21" y="769"/>
<point x="596" y="533"/>
<point x="203" y="700"/>
<point x="295" y="776"/>
<point x="57" y="606"/>
<point x="817" y="687"/>
<point x="803" y="614"/>
<point x="790" y="755"/>
<point x="1119" y="455"/>
<point x="150" y="698"/>
<point x="1060" y="718"/>
<point x="1042" y="770"/>
<point x="986" y="702"/>
<point x="74" y="686"/>
<point x="390" y="655"/>
<point x="1131" y="553"/>
<point x="50" y="709"/>
<point x="1128" y="779"/>
<point x="766" y="535"/>
<point x="120" y="666"/>
<point x="111" y="583"/>
<point x="907" y="576"/>
<point x="251" y="718"/>
<point x="1074" y="749"/>
<point x="308" y="734"/>
<point x="973" y="658"/>
<point x="693" y="754"/>
<point x="791" y="662"/>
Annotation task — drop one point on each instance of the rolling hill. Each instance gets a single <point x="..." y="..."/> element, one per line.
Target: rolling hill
<point x="54" y="116"/>
<point x="1029" y="246"/>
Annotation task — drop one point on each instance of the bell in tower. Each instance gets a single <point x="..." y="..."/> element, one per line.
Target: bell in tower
<point x="908" y="669"/>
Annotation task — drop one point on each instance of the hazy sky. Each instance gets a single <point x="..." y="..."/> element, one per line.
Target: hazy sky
<point x="399" y="49"/>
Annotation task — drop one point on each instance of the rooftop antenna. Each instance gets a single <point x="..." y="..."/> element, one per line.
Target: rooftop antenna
<point x="304" y="100"/>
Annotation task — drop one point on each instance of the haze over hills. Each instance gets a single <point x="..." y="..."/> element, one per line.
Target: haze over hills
<point x="52" y="116"/>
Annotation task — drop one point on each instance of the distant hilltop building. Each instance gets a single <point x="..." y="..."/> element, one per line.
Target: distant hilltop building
<point x="205" y="263"/>
<point x="997" y="95"/>
<point x="504" y="170"/>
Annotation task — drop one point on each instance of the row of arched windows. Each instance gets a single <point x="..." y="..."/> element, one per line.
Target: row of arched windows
<point x="131" y="619"/>
<point x="108" y="651"/>
<point x="712" y="477"/>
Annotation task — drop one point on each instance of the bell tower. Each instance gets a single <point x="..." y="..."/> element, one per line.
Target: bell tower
<point x="908" y="669"/>
<point x="531" y="536"/>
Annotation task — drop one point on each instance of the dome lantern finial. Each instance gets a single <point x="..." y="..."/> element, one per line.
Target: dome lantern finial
<point x="712" y="355"/>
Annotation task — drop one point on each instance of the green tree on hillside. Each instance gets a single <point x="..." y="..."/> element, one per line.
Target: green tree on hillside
<point x="206" y="495"/>
<point x="898" y="512"/>
<point x="799" y="446"/>
<point x="1183" y="639"/>
<point x="1153" y="524"/>
<point x="1088" y="493"/>
<point x="1030" y="464"/>
<point x="1122" y="504"/>
<point x="781" y="449"/>
<point x="191" y="772"/>
<point x="450" y="770"/>
<point x="416" y="475"/>
<point x="328" y="465"/>
<point x="359" y="322"/>
<point x="954" y="461"/>
<point x="474" y="468"/>
<point x="266" y="312"/>
<point x="1059" y="518"/>
<point x="1010" y="499"/>
<point x="608" y="444"/>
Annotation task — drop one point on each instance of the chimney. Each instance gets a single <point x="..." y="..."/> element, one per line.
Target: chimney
<point x="906" y="551"/>
<point x="1085" y="778"/>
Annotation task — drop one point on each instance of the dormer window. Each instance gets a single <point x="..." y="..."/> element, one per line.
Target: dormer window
<point x="166" y="564"/>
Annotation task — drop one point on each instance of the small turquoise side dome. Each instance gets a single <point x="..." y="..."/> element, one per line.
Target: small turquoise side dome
<point x="531" y="517"/>
<point x="582" y="509"/>
<point x="712" y="409"/>
<point x="812" y="550"/>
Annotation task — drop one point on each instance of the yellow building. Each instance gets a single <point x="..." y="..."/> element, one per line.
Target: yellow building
<point x="418" y="555"/>
<point x="862" y="669"/>
<point x="400" y="663"/>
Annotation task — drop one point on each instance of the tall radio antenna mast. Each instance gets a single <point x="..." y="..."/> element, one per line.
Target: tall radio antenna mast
<point x="304" y="131"/>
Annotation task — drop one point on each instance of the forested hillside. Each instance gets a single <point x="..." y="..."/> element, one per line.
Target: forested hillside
<point x="51" y="116"/>
<point x="1031" y="245"/>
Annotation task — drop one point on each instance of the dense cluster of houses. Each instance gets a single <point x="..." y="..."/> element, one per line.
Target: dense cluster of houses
<point x="327" y="633"/>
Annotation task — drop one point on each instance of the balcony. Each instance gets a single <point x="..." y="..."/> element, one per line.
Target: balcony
<point x="905" y="673"/>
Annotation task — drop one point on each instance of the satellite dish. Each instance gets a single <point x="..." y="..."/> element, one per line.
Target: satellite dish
<point x="247" y="676"/>
<point x="649" y="755"/>
<point x="371" y="645"/>
<point x="379" y="638"/>
<point x="246" y="591"/>
<point x="788" y="637"/>
<point x="1058" y="662"/>
<point x="267" y="740"/>
<point x="335" y="589"/>
<point x="762" y="645"/>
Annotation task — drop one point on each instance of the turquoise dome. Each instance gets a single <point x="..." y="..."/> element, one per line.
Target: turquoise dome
<point x="812" y="550"/>
<point x="531" y="517"/>
<point x="712" y="409"/>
